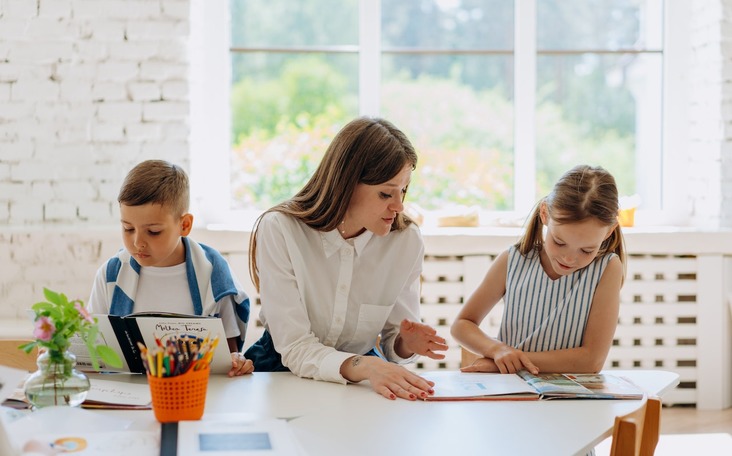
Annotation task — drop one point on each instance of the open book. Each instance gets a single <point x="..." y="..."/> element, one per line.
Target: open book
<point x="456" y="385"/>
<point x="123" y="333"/>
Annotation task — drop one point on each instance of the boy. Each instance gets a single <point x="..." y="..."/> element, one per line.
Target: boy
<point x="161" y="269"/>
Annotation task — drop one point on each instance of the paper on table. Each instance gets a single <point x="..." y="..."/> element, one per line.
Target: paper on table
<point x="115" y="393"/>
<point x="63" y="425"/>
<point x="114" y="443"/>
<point x="236" y="434"/>
<point x="9" y="380"/>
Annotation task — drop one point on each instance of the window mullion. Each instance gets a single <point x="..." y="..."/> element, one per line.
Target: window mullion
<point x="369" y="58"/>
<point x="524" y="180"/>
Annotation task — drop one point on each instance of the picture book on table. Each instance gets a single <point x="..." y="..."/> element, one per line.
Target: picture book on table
<point x="123" y="334"/>
<point x="456" y="386"/>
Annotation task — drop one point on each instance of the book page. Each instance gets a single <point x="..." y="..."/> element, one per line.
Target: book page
<point x="106" y="337"/>
<point x="456" y="385"/>
<point x="231" y="434"/>
<point x="553" y="384"/>
<point x="583" y="386"/>
<point x="607" y="385"/>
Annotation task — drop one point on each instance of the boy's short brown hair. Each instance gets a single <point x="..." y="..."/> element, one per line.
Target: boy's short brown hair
<point x="157" y="182"/>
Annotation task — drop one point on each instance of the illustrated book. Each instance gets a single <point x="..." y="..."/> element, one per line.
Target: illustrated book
<point x="456" y="386"/>
<point x="122" y="334"/>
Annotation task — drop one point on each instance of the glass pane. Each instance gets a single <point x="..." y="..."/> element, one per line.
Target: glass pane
<point x="601" y="110"/>
<point x="598" y="24"/>
<point x="447" y="24"/>
<point x="458" y="112"/>
<point x="285" y="108"/>
<point x="293" y="23"/>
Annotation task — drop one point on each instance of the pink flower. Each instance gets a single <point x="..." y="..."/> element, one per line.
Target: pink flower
<point x="44" y="329"/>
<point x="84" y="313"/>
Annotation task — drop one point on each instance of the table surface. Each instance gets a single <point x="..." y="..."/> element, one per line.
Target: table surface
<point x="333" y="419"/>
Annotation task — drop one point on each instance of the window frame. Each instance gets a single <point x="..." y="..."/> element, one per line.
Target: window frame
<point x="210" y="79"/>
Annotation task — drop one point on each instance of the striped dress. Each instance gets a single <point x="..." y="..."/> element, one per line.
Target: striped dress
<point x="542" y="314"/>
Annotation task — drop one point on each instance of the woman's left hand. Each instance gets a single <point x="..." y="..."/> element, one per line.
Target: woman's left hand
<point x="240" y="365"/>
<point x="421" y="339"/>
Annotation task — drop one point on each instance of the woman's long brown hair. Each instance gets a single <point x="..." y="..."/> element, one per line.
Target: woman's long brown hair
<point x="366" y="151"/>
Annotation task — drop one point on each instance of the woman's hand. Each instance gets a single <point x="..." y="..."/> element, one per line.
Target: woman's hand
<point x="510" y="360"/>
<point x="240" y="365"/>
<point x="388" y="379"/>
<point x="419" y="338"/>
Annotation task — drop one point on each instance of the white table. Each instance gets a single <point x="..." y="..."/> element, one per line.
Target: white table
<point x="332" y="419"/>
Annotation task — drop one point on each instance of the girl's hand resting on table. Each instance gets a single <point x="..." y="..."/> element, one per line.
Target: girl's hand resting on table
<point x="511" y="360"/>
<point x="420" y="339"/>
<point x="240" y="365"/>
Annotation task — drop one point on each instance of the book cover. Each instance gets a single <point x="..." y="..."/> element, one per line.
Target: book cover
<point x="123" y="333"/>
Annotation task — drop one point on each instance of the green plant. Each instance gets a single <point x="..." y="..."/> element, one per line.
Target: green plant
<point x="58" y="320"/>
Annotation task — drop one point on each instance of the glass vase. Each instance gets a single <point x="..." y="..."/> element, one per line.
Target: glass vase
<point x="56" y="382"/>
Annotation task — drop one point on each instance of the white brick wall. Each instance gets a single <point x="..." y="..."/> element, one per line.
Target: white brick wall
<point x="88" y="88"/>
<point x="710" y="128"/>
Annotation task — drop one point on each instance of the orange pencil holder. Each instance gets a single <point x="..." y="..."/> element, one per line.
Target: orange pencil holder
<point x="181" y="397"/>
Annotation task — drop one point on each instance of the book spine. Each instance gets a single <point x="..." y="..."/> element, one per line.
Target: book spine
<point x="127" y="334"/>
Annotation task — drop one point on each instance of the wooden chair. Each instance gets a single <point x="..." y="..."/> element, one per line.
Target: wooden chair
<point x="637" y="433"/>
<point x="12" y="356"/>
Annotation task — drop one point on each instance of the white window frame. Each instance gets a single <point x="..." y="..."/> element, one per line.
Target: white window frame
<point x="210" y="113"/>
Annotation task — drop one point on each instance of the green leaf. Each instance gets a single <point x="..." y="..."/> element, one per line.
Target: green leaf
<point x="28" y="347"/>
<point x="52" y="296"/>
<point x="109" y="356"/>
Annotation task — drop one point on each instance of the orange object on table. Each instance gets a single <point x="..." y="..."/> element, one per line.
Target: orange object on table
<point x="180" y="397"/>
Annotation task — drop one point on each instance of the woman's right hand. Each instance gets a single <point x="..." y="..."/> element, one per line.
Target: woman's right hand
<point x="388" y="379"/>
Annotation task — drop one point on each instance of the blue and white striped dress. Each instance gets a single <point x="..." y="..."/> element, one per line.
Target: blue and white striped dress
<point x="542" y="314"/>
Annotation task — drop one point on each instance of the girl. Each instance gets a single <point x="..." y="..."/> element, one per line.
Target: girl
<point x="337" y="267"/>
<point x="560" y="284"/>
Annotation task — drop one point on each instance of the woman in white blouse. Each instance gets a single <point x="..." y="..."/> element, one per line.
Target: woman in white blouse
<point x="338" y="265"/>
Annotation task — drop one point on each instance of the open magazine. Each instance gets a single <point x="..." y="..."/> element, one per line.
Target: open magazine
<point x="456" y="385"/>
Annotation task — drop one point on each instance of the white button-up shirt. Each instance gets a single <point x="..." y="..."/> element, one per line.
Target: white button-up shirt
<point x="325" y="299"/>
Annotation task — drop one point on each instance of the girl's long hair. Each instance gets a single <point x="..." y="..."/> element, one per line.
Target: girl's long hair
<point x="582" y="192"/>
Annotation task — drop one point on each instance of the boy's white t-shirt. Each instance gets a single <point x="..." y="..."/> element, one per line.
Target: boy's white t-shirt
<point x="166" y="290"/>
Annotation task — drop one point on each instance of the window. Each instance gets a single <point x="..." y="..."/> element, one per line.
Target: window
<point x="498" y="97"/>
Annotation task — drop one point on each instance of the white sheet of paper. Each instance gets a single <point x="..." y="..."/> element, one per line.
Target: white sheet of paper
<point x="9" y="380"/>
<point x="236" y="435"/>
<point x="122" y="393"/>
<point x="60" y="421"/>
<point x="114" y="443"/>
